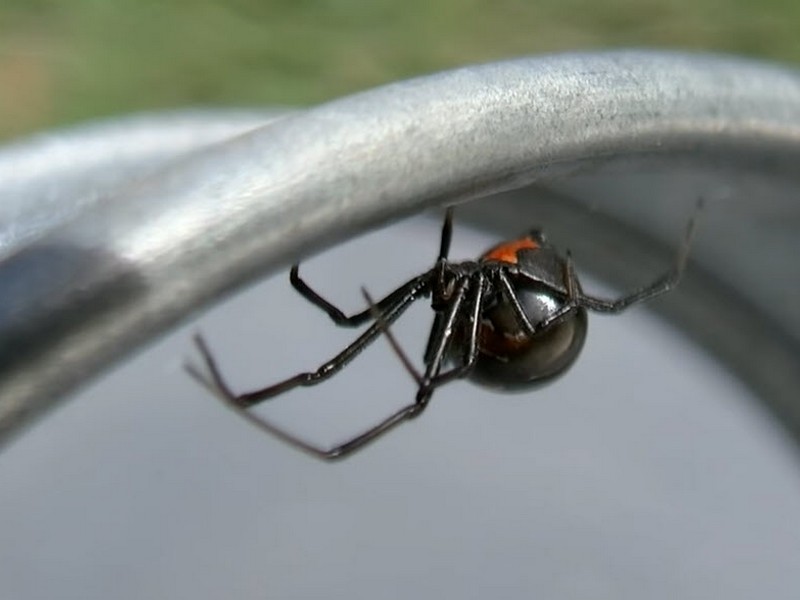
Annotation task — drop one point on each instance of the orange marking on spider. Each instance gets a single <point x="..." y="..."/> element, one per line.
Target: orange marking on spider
<point x="507" y="251"/>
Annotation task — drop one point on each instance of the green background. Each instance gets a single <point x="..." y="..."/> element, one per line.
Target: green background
<point x="63" y="61"/>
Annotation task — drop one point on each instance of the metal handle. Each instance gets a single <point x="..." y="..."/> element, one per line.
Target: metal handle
<point x="120" y="267"/>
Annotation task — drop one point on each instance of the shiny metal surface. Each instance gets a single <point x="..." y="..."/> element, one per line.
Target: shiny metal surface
<point x="51" y="177"/>
<point x="79" y="293"/>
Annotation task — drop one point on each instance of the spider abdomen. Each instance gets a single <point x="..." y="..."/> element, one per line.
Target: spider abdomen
<point x="510" y="359"/>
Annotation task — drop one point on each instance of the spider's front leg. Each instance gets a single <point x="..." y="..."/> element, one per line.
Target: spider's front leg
<point x="217" y="383"/>
<point x="665" y="283"/>
<point x="336" y="314"/>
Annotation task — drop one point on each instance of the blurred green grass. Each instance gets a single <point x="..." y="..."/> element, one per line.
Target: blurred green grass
<point x="66" y="61"/>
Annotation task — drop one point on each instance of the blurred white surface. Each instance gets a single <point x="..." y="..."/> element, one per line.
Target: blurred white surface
<point x="645" y="472"/>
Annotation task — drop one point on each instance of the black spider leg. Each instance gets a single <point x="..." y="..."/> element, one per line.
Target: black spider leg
<point x="336" y="452"/>
<point x="328" y="369"/>
<point x="386" y="311"/>
<point x="441" y="338"/>
<point x="358" y="442"/>
<point x="447" y="235"/>
<point x="510" y="295"/>
<point x="662" y="285"/>
<point x="576" y="298"/>
<point x="354" y="320"/>
<point x="437" y="330"/>
<point x="407" y="412"/>
<point x="240" y="402"/>
<point x="441" y="267"/>
<point x="336" y="314"/>
<point x="478" y="287"/>
<point x="439" y="343"/>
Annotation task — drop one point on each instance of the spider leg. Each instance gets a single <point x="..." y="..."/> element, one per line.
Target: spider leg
<point x="663" y="284"/>
<point x="507" y="290"/>
<point x="577" y="298"/>
<point x="447" y="234"/>
<point x="421" y="402"/>
<point x="574" y="295"/>
<point x="335" y="313"/>
<point x="371" y="434"/>
<point x="324" y="372"/>
<point x="398" y="350"/>
<point x="333" y="453"/>
<point x="239" y="403"/>
<point x="478" y="290"/>
<point x="448" y="326"/>
<point x="438" y="343"/>
<point x="437" y="330"/>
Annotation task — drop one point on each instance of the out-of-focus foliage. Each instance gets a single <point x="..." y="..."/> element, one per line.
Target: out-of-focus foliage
<point x="63" y="61"/>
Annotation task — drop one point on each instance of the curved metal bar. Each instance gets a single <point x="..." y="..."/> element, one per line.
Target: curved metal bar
<point x="52" y="177"/>
<point x="140" y="259"/>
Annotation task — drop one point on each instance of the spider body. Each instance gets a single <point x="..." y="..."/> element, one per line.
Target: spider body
<point x="524" y="279"/>
<point x="511" y="320"/>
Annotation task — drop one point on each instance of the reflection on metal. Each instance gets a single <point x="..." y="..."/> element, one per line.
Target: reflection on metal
<point x="111" y="234"/>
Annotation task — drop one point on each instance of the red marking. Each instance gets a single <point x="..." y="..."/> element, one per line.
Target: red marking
<point x="507" y="251"/>
<point x="499" y="345"/>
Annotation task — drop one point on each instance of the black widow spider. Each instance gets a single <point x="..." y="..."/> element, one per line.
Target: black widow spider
<point x="511" y="320"/>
